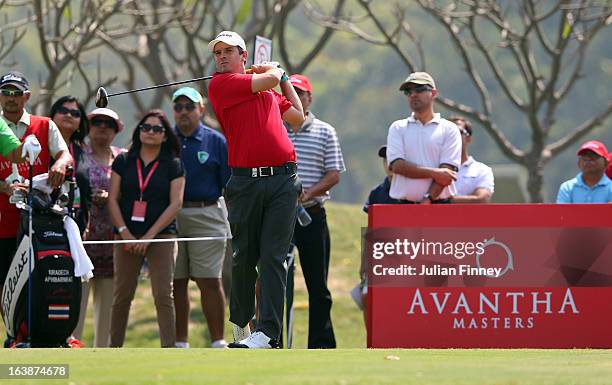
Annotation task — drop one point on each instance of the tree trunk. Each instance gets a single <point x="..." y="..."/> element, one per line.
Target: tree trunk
<point x="535" y="180"/>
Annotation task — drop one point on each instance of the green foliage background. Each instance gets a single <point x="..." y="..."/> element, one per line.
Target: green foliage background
<point x="356" y="90"/>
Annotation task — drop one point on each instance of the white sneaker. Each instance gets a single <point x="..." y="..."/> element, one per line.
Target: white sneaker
<point x="241" y="333"/>
<point x="181" y="345"/>
<point x="257" y="340"/>
<point x="219" y="344"/>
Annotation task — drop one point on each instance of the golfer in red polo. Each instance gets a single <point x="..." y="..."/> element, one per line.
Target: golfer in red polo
<point x="263" y="190"/>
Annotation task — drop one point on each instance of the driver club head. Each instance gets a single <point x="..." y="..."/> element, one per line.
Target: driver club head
<point x="101" y="98"/>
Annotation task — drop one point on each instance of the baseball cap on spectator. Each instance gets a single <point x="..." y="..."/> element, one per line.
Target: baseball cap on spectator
<point x="418" y="78"/>
<point x="382" y="152"/>
<point x="595" y="146"/>
<point x="609" y="169"/>
<point x="15" y="78"/>
<point x="108" y="113"/>
<point x="229" y="38"/>
<point x="189" y="93"/>
<point x="301" y="82"/>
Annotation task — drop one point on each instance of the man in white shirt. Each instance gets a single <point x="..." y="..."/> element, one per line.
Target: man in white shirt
<point x="423" y="150"/>
<point x="475" y="183"/>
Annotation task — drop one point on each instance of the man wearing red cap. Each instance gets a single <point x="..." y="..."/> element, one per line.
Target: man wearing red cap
<point x="321" y="162"/>
<point x="591" y="185"/>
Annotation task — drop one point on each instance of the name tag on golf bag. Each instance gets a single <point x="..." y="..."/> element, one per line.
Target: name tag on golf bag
<point x="56" y="292"/>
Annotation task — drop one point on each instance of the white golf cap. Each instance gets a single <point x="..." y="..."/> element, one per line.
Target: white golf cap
<point x="108" y="113"/>
<point x="228" y="37"/>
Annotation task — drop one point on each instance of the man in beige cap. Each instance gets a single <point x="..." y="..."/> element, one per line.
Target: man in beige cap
<point x="263" y="190"/>
<point x="423" y="150"/>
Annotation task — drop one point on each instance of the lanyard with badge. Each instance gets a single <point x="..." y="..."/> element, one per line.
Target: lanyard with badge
<point x="140" y="207"/>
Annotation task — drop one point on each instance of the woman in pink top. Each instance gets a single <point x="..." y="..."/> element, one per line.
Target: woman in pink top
<point x="98" y="157"/>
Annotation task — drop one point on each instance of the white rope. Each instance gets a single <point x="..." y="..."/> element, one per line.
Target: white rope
<point x="156" y="240"/>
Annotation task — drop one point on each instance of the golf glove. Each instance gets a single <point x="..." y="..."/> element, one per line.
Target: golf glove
<point x="272" y="63"/>
<point x="31" y="148"/>
<point x="276" y="64"/>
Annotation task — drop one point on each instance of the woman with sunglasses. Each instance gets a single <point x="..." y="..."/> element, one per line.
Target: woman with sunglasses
<point x="97" y="159"/>
<point x="69" y="115"/>
<point x="146" y="193"/>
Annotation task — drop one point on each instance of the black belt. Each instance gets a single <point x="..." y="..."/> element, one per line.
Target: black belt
<point x="314" y="208"/>
<point x="191" y="204"/>
<point x="260" y="172"/>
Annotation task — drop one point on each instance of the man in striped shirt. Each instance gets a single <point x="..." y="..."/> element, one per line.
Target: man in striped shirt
<point x="320" y="163"/>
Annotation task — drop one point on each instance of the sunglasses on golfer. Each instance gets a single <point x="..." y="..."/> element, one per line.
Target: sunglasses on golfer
<point x="178" y="107"/>
<point x="417" y="89"/>
<point x="104" y="123"/>
<point x="157" y="129"/>
<point x="76" y="113"/>
<point x="8" y="92"/>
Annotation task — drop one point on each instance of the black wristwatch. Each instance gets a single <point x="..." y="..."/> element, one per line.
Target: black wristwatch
<point x="428" y="196"/>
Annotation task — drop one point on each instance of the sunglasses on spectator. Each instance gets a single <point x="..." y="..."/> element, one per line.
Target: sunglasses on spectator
<point x="178" y="107"/>
<point x="8" y="92"/>
<point x="417" y="89"/>
<point x="104" y="122"/>
<point x="157" y="129"/>
<point x="589" y="156"/>
<point x="465" y="132"/>
<point x="76" y="113"/>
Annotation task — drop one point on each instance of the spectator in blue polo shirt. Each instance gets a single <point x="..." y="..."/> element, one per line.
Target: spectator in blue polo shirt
<point x="591" y="185"/>
<point x="204" y="214"/>
<point x="380" y="193"/>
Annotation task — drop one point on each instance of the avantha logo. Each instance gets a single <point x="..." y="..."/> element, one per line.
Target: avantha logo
<point x="495" y="309"/>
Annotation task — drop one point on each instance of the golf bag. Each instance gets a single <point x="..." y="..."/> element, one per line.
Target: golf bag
<point x="56" y="292"/>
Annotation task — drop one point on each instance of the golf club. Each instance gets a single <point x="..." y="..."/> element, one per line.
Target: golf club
<point x="30" y="251"/>
<point x="102" y="96"/>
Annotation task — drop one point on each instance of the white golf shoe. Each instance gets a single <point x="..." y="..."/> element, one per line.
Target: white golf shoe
<point x="257" y="340"/>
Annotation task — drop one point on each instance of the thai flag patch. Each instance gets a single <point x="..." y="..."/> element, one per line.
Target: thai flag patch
<point x="59" y="312"/>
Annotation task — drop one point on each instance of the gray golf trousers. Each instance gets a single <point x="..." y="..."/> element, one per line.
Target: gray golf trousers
<point x="262" y="213"/>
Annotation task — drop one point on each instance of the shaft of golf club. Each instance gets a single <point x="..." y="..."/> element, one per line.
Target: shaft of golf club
<point x="30" y="255"/>
<point x="161" y="85"/>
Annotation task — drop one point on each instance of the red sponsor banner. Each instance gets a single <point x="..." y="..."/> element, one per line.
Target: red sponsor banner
<point x="489" y="276"/>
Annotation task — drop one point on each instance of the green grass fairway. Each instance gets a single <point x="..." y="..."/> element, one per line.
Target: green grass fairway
<point x="340" y="367"/>
<point x="352" y="364"/>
